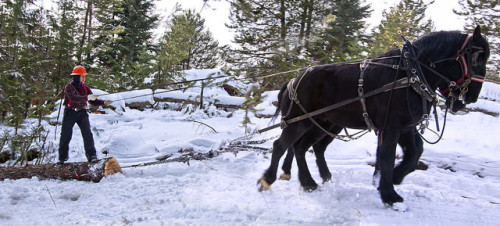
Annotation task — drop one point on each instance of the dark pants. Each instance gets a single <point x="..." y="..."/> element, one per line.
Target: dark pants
<point x="82" y="119"/>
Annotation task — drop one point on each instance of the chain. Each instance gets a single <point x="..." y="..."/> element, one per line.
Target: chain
<point x="464" y="89"/>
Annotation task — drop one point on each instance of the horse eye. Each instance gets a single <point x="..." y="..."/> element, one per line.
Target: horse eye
<point x="478" y="59"/>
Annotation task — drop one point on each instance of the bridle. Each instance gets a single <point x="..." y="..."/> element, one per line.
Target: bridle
<point x="466" y="61"/>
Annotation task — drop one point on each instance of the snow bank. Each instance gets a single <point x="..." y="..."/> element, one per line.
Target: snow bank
<point x="490" y="91"/>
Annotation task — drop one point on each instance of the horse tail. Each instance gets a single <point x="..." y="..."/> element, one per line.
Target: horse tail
<point x="278" y="106"/>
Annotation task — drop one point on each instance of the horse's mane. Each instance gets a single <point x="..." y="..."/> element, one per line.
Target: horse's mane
<point x="440" y="45"/>
<point x="436" y="45"/>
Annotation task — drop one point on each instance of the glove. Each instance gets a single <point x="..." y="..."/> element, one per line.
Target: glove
<point x="92" y="97"/>
<point x="108" y="102"/>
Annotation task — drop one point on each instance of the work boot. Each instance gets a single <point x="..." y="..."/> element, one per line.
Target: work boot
<point x="61" y="162"/>
<point x="93" y="159"/>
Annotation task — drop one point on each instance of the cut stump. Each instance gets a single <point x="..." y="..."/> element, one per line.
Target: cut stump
<point x="82" y="171"/>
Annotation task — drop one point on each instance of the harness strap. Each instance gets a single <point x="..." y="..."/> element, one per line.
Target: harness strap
<point x="368" y="121"/>
<point x="401" y="83"/>
<point x="292" y="94"/>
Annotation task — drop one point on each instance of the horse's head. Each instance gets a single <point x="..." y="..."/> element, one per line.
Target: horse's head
<point x="466" y="71"/>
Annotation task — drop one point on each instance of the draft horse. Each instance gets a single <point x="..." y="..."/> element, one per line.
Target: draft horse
<point x="391" y="94"/>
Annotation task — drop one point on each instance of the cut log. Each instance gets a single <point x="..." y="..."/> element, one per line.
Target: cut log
<point x="82" y="171"/>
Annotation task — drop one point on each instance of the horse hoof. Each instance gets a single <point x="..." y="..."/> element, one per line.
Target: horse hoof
<point x="399" y="207"/>
<point x="391" y="198"/>
<point x="263" y="185"/>
<point x="310" y="188"/>
<point x="327" y="178"/>
<point x="285" y="176"/>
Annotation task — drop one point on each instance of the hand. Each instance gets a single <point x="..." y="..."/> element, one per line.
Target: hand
<point x="92" y="97"/>
<point x="108" y="102"/>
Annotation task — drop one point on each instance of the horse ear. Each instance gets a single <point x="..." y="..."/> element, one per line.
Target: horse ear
<point x="477" y="32"/>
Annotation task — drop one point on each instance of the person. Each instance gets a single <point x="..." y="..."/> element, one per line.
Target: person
<point x="76" y="95"/>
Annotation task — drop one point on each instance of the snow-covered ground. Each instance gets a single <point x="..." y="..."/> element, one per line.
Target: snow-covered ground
<point x="461" y="186"/>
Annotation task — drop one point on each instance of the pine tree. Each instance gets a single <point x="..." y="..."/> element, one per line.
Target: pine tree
<point x="342" y="31"/>
<point x="17" y="49"/>
<point x="485" y="13"/>
<point x="65" y="28"/>
<point x="270" y="35"/>
<point x="173" y="48"/>
<point x="185" y="45"/>
<point x="38" y="65"/>
<point x="123" y="34"/>
<point x="407" y="18"/>
<point x="203" y="51"/>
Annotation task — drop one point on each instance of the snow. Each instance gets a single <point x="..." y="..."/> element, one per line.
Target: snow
<point x="459" y="188"/>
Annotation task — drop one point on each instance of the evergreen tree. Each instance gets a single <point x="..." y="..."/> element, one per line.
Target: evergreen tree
<point x="342" y="30"/>
<point x="203" y="53"/>
<point x="270" y="35"/>
<point x="185" y="45"/>
<point x="18" y="52"/>
<point x="173" y="48"/>
<point x="66" y="33"/>
<point x="38" y="65"/>
<point x="485" y="13"/>
<point x="123" y="34"/>
<point x="407" y="18"/>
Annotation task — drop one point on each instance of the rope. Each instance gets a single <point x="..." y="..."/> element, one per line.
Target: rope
<point x="237" y="144"/>
<point x="246" y="78"/>
<point x="198" y="156"/>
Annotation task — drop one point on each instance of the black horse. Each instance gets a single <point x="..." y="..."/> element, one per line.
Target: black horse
<point x="391" y="94"/>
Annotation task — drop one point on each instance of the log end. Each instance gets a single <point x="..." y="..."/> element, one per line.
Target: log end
<point x="111" y="167"/>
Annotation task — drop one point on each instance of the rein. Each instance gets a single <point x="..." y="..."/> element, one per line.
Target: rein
<point x="414" y="79"/>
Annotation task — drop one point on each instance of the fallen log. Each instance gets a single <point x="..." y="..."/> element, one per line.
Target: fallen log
<point x="82" y="171"/>
<point x="217" y="103"/>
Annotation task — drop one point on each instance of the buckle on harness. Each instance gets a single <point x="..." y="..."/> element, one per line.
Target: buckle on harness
<point x="283" y="123"/>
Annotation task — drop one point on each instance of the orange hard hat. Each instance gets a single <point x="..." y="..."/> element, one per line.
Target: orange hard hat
<point x="79" y="70"/>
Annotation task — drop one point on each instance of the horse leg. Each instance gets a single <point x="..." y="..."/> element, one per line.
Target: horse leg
<point x="287" y="166"/>
<point x="413" y="147"/>
<point x="386" y="154"/>
<point x="300" y="148"/>
<point x="288" y="137"/>
<point x="305" y="177"/>
<point x="319" y="151"/>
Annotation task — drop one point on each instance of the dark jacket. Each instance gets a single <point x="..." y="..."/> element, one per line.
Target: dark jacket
<point x="76" y="96"/>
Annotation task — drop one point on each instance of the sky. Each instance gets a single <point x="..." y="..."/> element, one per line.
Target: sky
<point x="216" y="14"/>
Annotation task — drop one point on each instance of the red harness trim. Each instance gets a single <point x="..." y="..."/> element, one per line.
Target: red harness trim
<point x="465" y="67"/>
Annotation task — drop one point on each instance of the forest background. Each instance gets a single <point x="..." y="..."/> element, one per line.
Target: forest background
<point x="113" y="39"/>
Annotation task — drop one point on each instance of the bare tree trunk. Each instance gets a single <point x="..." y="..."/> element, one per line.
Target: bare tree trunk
<point x="308" y="23"/>
<point x="87" y="13"/>
<point x="82" y="171"/>
<point x="283" y="21"/>
<point x="89" y="27"/>
<point x="303" y="16"/>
